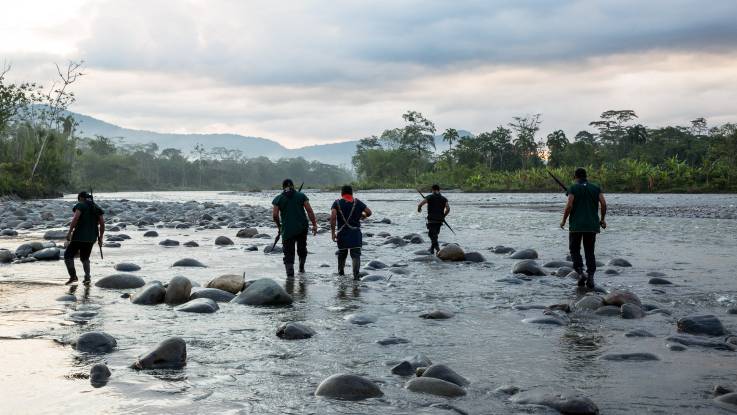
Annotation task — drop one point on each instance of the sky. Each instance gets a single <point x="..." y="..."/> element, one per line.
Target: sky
<point x="312" y="71"/>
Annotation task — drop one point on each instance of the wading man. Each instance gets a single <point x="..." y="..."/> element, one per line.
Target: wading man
<point x="88" y="226"/>
<point x="347" y="213"/>
<point x="437" y="209"/>
<point x="290" y="211"/>
<point x="584" y="202"/>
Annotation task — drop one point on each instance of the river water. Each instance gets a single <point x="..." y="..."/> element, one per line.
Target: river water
<point x="236" y="364"/>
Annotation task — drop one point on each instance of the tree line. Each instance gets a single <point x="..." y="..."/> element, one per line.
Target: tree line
<point x="41" y="154"/>
<point x="622" y="155"/>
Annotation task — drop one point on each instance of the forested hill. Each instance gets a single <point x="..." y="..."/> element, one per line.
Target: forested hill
<point x="337" y="154"/>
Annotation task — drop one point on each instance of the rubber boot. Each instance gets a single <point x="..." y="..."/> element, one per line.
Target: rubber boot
<point x="71" y="271"/>
<point x="590" y="281"/>
<point x="581" y="277"/>
<point x="356" y="262"/>
<point x="341" y="266"/>
<point x="86" y="267"/>
<point x="302" y="261"/>
<point x="290" y="269"/>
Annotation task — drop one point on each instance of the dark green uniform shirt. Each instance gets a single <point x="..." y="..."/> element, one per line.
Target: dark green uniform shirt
<point x="86" y="229"/>
<point x="292" y="212"/>
<point x="585" y="211"/>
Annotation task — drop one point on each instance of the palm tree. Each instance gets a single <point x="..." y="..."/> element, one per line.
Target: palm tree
<point x="450" y="135"/>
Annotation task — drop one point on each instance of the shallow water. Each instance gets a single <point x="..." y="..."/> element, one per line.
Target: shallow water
<point x="236" y="363"/>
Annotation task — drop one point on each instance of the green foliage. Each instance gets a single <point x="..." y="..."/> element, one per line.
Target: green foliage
<point x="622" y="157"/>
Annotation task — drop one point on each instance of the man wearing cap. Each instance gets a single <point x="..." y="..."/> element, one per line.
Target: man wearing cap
<point x="288" y="212"/>
<point x="437" y="209"/>
<point x="88" y="226"/>
<point x="347" y="213"/>
<point x="585" y="199"/>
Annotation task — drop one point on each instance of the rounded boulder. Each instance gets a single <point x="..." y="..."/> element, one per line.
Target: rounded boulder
<point x="348" y="387"/>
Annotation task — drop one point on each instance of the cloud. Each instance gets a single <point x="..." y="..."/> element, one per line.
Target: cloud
<point x="315" y="71"/>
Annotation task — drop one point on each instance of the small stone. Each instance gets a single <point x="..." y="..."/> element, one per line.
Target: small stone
<point x="501" y="249"/>
<point x="247" y="233"/>
<point x="231" y="283"/>
<point x="391" y="341"/>
<point x="99" y="375"/>
<point x="565" y="404"/>
<point x="127" y="267"/>
<point x="474" y="257"/>
<point x="608" y="311"/>
<point x="619" y="262"/>
<point x="437" y="315"/>
<point x="445" y="373"/>
<point x="169" y="242"/>
<point x="294" y="331"/>
<point x="451" y="252"/>
<point x="360" y="319"/>
<point x="659" y="281"/>
<point x="638" y="333"/>
<point x="720" y="390"/>
<point x="178" y="290"/>
<point x="191" y="244"/>
<point x="150" y="294"/>
<point x="214" y="294"/>
<point x="151" y="234"/>
<point x="263" y="292"/>
<point x="120" y="282"/>
<point x="630" y="357"/>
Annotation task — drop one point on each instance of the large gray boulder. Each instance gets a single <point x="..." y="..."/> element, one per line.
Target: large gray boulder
<point x="189" y="262"/>
<point x="707" y="324"/>
<point x="435" y="386"/>
<point x="263" y="292"/>
<point x="120" y="282"/>
<point x="451" y="252"/>
<point x="199" y="305"/>
<point x="223" y="241"/>
<point x="214" y="294"/>
<point x="563" y="403"/>
<point x="524" y="254"/>
<point x="631" y="311"/>
<point x="23" y="250"/>
<point x="231" y="283"/>
<point x="178" y="290"/>
<point x="588" y="303"/>
<point x="474" y="257"/>
<point x="94" y="342"/>
<point x="47" y="254"/>
<point x="445" y="373"/>
<point x="150" y="294"/>
<point x="528" y="267"/>
<point x="247" y="233"/>
<point x="348" y="387"/>
<point x="6" y="256"/>
<point x="169" y="354"/>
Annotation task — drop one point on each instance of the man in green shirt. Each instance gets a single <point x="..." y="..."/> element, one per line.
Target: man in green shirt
<point x="584" y="202"/>
<point x="88" y="226"/>
<point x="288" y="212"/>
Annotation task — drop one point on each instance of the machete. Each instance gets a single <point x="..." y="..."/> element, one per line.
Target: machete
<point x="99" y="242"/>
<point x="278" y="234"/>
<point x="562" y="186"/>
<point x="444" y="221"/>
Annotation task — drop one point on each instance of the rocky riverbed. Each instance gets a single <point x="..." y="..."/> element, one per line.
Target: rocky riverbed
<point x="188" y="313"/>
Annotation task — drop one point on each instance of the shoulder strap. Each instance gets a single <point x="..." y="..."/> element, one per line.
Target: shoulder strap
<point x="345" y="221"/>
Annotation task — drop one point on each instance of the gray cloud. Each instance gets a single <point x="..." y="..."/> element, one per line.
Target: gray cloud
<point x="357" y="41"/>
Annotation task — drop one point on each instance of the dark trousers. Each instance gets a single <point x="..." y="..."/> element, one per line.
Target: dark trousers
<point x="343" y="254"/>
<point x="300" y="241"/>
<point x="589" y="242"/>
<point x="433" y="230"/>
<point x="84" y="249"/>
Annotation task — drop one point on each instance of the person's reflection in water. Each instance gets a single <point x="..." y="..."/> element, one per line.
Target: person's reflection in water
<point x="581" y="346"/>
<point x="348" y="289"/>
<point x="301" y="292"/>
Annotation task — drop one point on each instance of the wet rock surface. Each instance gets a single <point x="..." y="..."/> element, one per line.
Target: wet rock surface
<point x="348" y="387"/>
